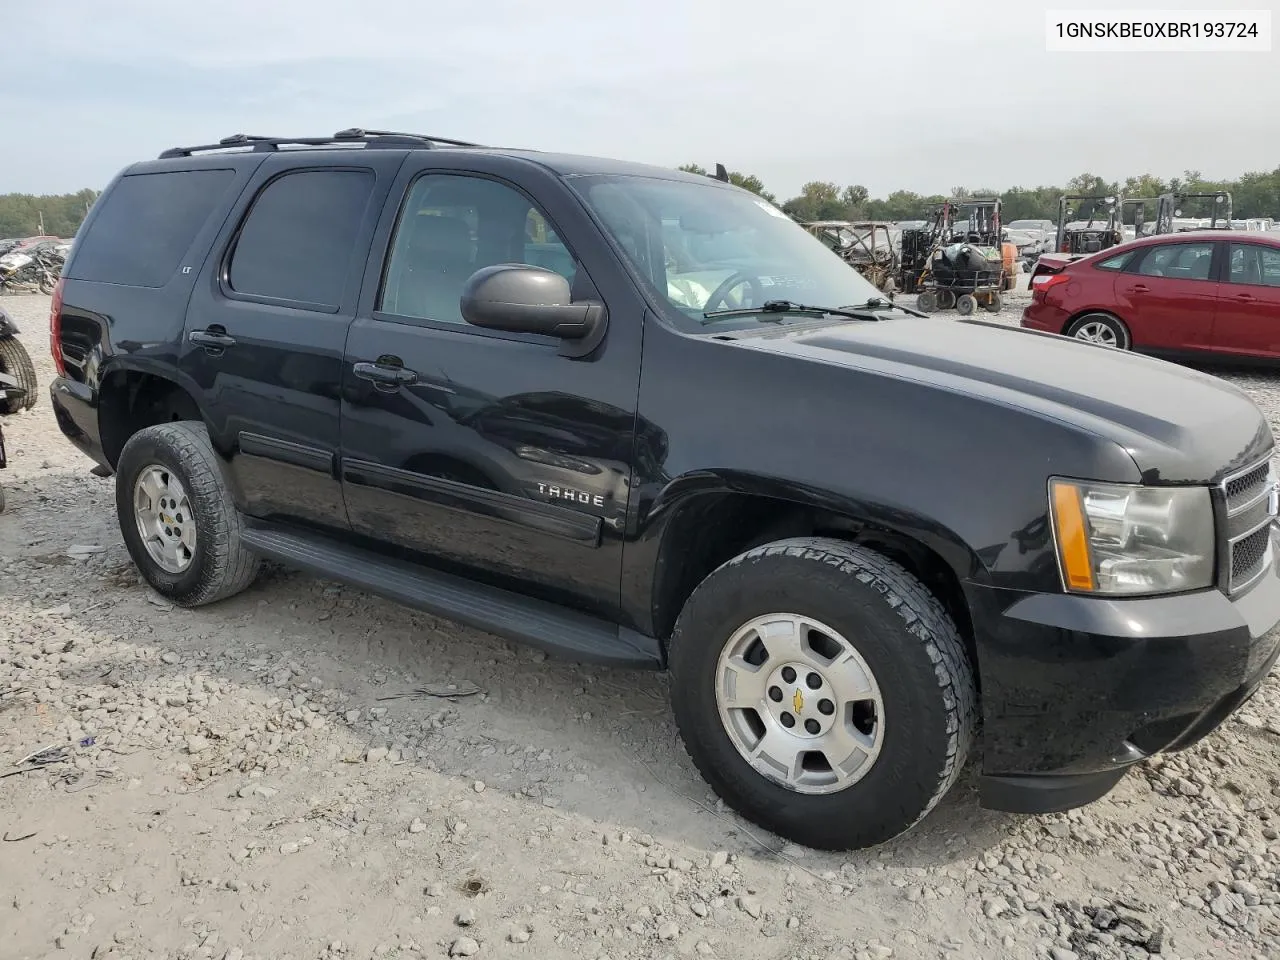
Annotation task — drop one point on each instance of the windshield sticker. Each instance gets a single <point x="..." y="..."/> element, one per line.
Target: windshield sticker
<point x="770" y="209"/>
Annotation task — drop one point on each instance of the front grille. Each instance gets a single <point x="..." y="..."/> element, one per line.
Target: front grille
<point x="1248" y="525"/>
<point x="1241" y="488"/>
<point x="1249" y="555"/>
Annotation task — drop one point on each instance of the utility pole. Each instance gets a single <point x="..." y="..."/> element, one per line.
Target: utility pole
<point x="41" y="233"/>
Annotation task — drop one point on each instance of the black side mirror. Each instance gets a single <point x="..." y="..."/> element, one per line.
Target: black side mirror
<point x="520" y="298"/>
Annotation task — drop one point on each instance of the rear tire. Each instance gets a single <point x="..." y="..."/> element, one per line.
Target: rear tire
<point x="857" y="612"/>
<point x="208" y="562"/>
<point x="993" y="303"/>
<point x="16" y="362"/>
<point x="1102" y="329"/>
<point x="966" y="304"/>
<point x="927" y="302"/>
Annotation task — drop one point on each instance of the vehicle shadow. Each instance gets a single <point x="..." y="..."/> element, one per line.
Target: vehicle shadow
<point x="592" y="741"/>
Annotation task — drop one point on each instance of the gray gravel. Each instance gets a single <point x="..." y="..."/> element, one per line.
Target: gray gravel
<point x="233" y="783"/>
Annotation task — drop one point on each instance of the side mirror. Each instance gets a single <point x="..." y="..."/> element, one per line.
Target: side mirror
<point x="520" y="298"/>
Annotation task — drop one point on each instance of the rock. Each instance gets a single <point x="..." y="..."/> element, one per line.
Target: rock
<point x="994" y="907"/>
<point x="669" y="930"/>
<point x="1061" y="953"/>
<point x="464" y="947"/>
<point x="519" y="935"/>
<point x="1059" y="829"/>
<point x="719" y="859"/>
<point x="1248" y="892"/>
<point x="289" y="848"/>
<point x="170" y="658"/>
<point x="435" y="889"/>
<point x="750" y="906"/>
<point x="376" y="754"/>
<point x="704" y="949"/>
<point x="417" y="826"/>
<point x="699" y="908"/>
<point x="793" y="923"/>
<point x="197" y="744"/>
<point x="478" y="786"/>
<point x="465" y="918"/>
<point x="235" y="953"/>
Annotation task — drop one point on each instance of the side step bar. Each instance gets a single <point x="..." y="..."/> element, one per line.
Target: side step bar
<point x="565" y="633"/>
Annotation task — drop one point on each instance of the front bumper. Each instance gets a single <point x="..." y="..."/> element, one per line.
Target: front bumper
<point x="1077" y="689"/>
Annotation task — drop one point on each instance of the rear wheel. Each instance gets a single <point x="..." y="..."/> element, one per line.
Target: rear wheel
<point x="993" y="303"/>
<point x="177" y="516"/>
<point x="966" y="304"/>
<point x="16" y="362"/>
<point x="1102" y="329"/>
<point x="822" y="691"/>
<point x="927" y="302"/>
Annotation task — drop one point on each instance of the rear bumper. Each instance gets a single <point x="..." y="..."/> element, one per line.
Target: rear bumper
<point x="1078" y="689"/>
<point x="1042" y="316"/>
<point x="75" y="408"/>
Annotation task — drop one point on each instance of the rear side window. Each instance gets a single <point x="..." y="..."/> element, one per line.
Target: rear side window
<point x="1114" y="263"/>
<point x="146" y="225"/>
<point x="297" y="241"/>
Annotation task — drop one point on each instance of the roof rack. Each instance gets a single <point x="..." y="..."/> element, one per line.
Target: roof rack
<point x="354" y="135"/>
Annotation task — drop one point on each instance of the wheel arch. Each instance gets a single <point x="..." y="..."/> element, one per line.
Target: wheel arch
<point x="130" y="398"/>
<point x="701" y="521"/>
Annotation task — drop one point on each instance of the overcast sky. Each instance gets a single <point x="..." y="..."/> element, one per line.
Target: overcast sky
<point x="914" y="94"/>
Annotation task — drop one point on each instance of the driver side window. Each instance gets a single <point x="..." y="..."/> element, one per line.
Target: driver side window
<point x="452" y="225"/>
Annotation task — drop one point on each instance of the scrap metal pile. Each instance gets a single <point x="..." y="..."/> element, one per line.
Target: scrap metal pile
<point x="31" y="264"/>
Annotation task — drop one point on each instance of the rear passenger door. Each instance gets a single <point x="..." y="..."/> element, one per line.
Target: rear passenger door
<point x="267" y="325"/>
<point x="482" y="450"/>
<point x="1168" y="294"/>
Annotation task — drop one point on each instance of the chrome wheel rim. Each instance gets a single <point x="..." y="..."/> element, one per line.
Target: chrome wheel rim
<point x="799" y="703"/>
<point x="1095" y="331"/>
<point x="162" y="511"/>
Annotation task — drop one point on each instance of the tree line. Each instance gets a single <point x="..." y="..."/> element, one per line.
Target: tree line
<point x="1253" y="195"/>
<point x="21" y="214"/>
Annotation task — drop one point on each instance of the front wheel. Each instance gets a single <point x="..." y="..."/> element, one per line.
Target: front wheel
<point x="966" y="304"/>
<point x="178" y="520"/>
<point x="823" y="692"/>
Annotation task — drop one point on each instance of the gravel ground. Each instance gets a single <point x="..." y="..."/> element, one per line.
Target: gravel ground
<point x="308" y="772"/>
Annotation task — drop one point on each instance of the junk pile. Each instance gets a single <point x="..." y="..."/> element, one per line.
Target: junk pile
<point x="32" y="264"/>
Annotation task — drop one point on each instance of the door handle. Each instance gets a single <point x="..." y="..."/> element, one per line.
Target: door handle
<point x="385" y="373"/>
<point x="1139" y="288"/>
<point x="1244" y="296"/>
<point x="213" y="336"/>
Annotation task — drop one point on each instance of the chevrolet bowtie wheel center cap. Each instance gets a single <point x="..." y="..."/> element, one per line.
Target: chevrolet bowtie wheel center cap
<point x="801" y="700"/>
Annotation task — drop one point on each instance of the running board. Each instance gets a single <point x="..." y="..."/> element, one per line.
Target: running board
<point x="557" y="630"/>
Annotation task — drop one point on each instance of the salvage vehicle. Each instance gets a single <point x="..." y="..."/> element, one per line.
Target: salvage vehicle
<point x="335" y="353"/>
<point x="866" y="245"/>
<point x="1188" y="296"/>
<point x="12" y="395"/>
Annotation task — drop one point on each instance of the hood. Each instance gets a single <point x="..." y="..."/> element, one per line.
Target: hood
<point x="1178" y="425"/>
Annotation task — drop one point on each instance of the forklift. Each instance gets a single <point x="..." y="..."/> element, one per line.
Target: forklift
<point x="1170" y="206"/>
<point x="1095" y="234"/>
<point x="967" y="264"/>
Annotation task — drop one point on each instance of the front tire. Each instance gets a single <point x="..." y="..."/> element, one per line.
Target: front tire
<point x="871" y="671"/>
<point x="176" y="515"/>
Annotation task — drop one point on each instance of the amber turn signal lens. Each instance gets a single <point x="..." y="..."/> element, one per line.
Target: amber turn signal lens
<point x="1073" y="539"/>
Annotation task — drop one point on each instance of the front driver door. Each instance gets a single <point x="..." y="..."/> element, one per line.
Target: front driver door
<point x="480" y="450"/>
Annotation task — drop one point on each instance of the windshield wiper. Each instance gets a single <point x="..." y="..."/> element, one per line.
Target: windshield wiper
<point x="880" y="303"/>
<point x="790" y="306"/>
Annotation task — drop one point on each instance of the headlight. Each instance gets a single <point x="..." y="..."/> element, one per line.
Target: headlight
<point x="1115" y="538"/>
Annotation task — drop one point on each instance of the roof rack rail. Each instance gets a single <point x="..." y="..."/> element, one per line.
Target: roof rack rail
<point x="369" y="138"/>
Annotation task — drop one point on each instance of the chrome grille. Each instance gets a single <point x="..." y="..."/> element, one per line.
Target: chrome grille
<point x="1248" y="498"/>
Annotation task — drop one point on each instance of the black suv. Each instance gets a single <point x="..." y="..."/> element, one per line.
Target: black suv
<point x="640" y="417"/>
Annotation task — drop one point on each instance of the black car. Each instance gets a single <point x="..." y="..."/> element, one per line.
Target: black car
<point x="641" y="417"/>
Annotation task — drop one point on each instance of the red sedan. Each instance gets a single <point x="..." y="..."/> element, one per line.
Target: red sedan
<point x="1177" y="295"/>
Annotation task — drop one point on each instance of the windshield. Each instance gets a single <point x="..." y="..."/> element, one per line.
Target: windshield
<point x="706" y="247"/>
